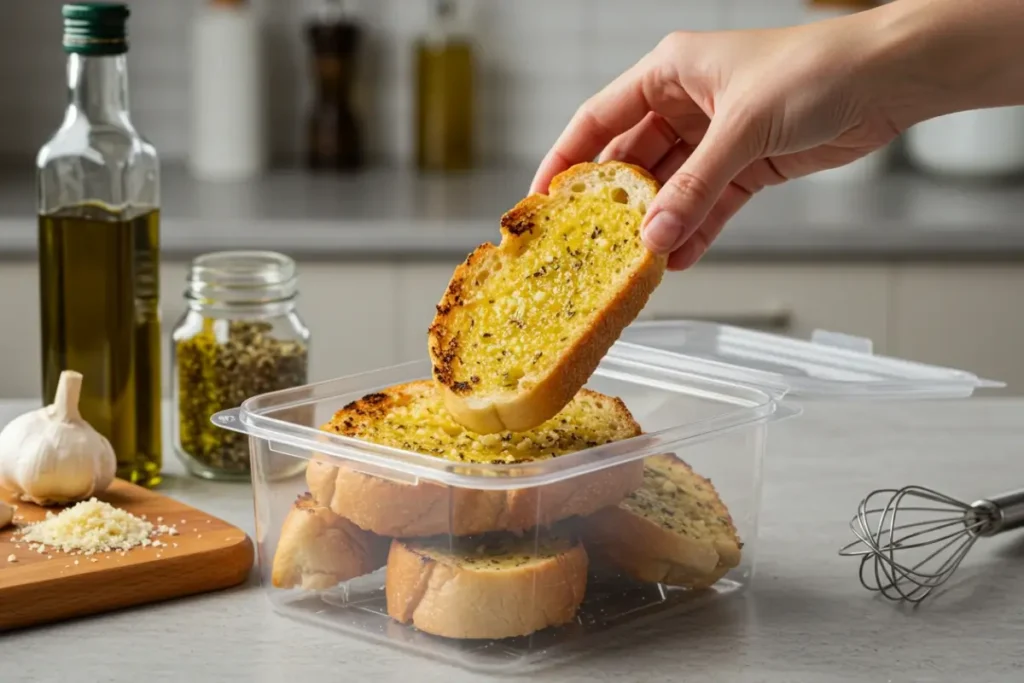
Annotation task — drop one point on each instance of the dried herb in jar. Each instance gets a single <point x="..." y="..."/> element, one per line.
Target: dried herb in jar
<point x="219" y="372"/>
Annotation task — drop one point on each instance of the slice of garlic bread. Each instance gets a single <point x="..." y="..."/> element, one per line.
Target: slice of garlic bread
<point x="412" y="417"/>
<point x="673" y="530"/>
<point x="523" y="325"/>
<point x="492" y="586"/>
<point x="318" y="549"/>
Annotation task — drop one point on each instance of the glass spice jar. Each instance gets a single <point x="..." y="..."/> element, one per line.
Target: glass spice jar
<point x="241" y="336"/>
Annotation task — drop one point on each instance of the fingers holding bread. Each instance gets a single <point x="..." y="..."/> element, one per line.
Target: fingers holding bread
<point x="523" y="325"/>
<point x="519" y="331"/>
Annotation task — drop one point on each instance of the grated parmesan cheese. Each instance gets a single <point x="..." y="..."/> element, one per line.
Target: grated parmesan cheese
<point x="90" y="527"/>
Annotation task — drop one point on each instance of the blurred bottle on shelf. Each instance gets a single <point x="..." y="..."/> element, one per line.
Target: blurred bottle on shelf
<point x="228" y="137"/>
<point x="445" y="92"/>
<point x="334" y="135"/>
<point x="876" y="163"/>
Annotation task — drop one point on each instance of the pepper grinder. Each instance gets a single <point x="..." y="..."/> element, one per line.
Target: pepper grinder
<point x="334" y="133"/>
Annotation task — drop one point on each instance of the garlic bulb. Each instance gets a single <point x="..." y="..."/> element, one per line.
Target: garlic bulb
<point x="51" y="456"/>
<point x="6" y="514"/>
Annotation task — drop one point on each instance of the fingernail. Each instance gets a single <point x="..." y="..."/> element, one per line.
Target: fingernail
<point x="662" y="232"/>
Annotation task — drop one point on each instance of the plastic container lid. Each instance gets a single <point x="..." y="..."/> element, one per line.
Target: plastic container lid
<point x="829" y="366"/>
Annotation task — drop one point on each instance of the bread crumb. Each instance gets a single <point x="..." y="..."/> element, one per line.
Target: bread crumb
<point x="12" y="558"/>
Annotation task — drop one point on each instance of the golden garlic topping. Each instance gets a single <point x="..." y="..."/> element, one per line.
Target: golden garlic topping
<point x="686" y="505"/>
<point x="413" y="417"/>
<point x="516" y="313"/>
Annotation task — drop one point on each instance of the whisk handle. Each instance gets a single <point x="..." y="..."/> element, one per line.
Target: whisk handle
<point x="1006" y="511"/>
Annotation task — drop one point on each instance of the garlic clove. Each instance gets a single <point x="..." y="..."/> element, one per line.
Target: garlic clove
<point x="52" y="455"/>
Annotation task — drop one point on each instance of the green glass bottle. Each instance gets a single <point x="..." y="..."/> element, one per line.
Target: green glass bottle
<point x="98" y="195"/>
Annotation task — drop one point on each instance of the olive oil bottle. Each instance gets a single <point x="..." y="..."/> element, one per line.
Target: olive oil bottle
<point x="444" y="94"/>
<point x="98" y="193"/>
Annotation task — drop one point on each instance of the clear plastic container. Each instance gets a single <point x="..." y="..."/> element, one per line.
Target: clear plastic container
<point x="699" y="407"/>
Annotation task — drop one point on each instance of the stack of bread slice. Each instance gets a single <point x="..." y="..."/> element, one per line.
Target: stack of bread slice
<point x="518" y="332"/>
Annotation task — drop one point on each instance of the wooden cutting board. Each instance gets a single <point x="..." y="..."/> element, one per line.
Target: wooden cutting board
<point x="207" y="554"/>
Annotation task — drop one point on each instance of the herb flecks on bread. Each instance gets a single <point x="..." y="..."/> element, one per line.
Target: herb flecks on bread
<point x="686" y="504"/>
<point x="497" y="551"/>
<point x="413" y="417"/>
<point x="674" y="529"/>
<point x="493" y="586"/>
<point x="523" y="325"/>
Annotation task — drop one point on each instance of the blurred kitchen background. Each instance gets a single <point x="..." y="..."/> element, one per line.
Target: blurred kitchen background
<point x="919" y="249"/>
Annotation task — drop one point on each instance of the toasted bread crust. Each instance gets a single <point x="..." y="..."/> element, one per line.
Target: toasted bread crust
<point x="648" y="551"/>
<point x="447" y="600"/>
<point x="396" y="509"/>
<point x="318" y="549"/>
<point x="527" y="408"/>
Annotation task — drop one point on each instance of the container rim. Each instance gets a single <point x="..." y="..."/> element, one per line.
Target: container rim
<point x="751" y="405"/>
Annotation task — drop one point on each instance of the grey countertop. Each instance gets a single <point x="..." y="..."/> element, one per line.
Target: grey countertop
<point x="399" y="214"/>
<point x="805" y="619"/>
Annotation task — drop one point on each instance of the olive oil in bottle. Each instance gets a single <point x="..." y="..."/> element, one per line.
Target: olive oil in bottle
<point x="444" y="98"/>
<point x="99" y="197"/>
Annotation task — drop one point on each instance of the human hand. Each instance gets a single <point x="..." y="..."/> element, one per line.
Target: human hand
<point x="716" y="117"/>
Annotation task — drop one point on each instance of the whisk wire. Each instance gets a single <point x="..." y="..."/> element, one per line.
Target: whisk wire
<point x="881" y="533"/>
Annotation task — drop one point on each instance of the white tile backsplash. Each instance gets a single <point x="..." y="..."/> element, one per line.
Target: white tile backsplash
<point x="538" y="59"/>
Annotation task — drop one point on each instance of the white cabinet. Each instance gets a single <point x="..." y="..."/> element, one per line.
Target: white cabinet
<point x="420" y="288"/>
<point x="364" y="316"/>
<point x="969" y="317"/>
<point x="350" y="309"/>
<point x="788" y="299"/>
<point x="791" y="299"/>
<point x="20" y="370"/>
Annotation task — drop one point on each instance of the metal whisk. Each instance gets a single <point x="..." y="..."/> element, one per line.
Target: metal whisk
<point x="911" y="540"/>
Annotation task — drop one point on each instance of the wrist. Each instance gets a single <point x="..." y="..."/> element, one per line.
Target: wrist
<point x="927" y="58"/>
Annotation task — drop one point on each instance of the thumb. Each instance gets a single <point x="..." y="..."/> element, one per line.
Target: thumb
<point x="686" y="199"/>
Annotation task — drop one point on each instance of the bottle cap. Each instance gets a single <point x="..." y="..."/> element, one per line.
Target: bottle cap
<point x="95" y="28"/>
